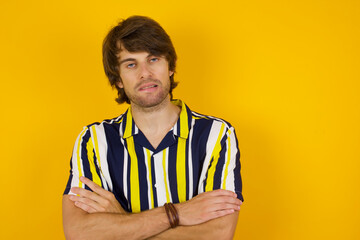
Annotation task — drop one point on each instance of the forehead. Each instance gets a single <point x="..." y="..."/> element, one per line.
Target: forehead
<point x="125" y="54"/>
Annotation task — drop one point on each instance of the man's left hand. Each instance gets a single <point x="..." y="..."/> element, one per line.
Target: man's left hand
<point x="99" y="200"/>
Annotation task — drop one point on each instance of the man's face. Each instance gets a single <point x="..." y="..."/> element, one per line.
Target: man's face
<point x="145" y="78"/>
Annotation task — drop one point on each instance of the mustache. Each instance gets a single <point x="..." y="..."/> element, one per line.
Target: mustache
<point x="148" y="80"/>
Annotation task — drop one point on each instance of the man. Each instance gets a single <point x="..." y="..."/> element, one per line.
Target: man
<point x="160" y="170"/>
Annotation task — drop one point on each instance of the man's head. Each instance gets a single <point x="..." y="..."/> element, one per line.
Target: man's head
<point x="136" y="34"/>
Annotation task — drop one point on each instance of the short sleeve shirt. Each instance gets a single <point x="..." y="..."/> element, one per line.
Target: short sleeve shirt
<point x="199" y="154"/>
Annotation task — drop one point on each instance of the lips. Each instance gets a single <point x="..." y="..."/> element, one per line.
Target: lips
<point x="148" y="86"/>
<point x="151" y="86"/>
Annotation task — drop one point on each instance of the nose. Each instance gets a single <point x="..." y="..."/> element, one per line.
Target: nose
<point x="145" y="71"/>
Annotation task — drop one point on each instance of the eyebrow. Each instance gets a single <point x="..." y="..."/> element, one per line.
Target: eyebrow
<point x="132" y="59"/>
<point x="126" y="60"/>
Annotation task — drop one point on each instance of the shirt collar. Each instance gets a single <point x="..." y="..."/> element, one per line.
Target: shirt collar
<point x="183" y="124"/>
<point x="181" y="128"/>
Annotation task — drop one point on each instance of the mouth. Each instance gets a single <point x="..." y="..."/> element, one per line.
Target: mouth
<point x="148" y="87"/>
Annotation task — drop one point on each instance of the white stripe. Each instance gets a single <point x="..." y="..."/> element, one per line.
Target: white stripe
<point x="190" y="162"/>
<point x="167" y="174"/>
<point x="136" y="130"/>
<point x="175" y="129"/>
<point x="225" y="162"/>
<point x="212" y="118"/>
<point x="148" y="175"/>
<point x="121" y="133"/>
<point x="114" y="119"/>
<point x="75" y="181"/>
<point x="230" y="183"/>
<point x="126" y="162"/>
<point x="210" y="145"/>
<point x="159" y="179"/>
<point x="102" y="147"/>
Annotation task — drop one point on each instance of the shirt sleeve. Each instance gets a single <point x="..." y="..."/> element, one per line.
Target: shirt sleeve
<point x="84" y="162"/>
<point x="223" y="168"/>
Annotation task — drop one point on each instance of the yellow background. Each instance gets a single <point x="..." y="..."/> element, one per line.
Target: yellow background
<point x="284" y="73"/>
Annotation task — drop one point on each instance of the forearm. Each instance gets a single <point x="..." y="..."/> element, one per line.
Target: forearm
<point x="81" y="225"/>
<point x="220" y="228"/>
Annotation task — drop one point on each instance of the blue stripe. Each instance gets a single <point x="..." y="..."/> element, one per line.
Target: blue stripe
<point x="84" y="157"/>
<point x="221" y="163"/>
<point x="144" y="201"/>
<point x="154" y="181"/>
<point x="128" y="179"/>
<point x="168" y="141"/>
<point x="116" y="166"/>
<point x="141" y="140"/>
<point x="198" y="144"/>
<point x="123" y="123"/>
<point x="207" y="171"/>
<point x="237" y="175"/>
<point x="187" y="169"/>
<point x="172" y="173"/>
<point x="68" y="185"/>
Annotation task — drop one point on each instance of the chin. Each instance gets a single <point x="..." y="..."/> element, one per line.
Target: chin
<point x="151" y="102"/>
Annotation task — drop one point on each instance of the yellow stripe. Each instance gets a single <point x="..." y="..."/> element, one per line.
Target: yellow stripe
<point x="79" y="157"/>
<point x="134" y="176"/>
<point x="227" y="161"/>
<point x="150" y="178"/>
<point x="128" y="127"/>
<point x="165" y="177"/>
<point x="215" y="156"/>
<point x="96" y="149"/>
<point x="180" y="169"/>
<point x="90" y="149"/>
<point x="184" y="125"/>
<point x="121" y="119"/>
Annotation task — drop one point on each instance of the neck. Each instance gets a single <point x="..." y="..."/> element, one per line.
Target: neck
<point x="155" y="119"/>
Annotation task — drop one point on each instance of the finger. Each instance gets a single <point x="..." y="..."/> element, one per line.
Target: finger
<point x="87" y="194"/>
<point x="93" y="186"/>
<point x="74" y="198"/>
<point x="221" y="206"/>
<point x="92" y="204"/>
<point x="86" y="201"/>
<point x="221" y="199"/>
<point x="85" y="207"/>
<point x="99" y="203"/>
<point x="221" y="213"/>
<point x="221" y="192"/>
<point x="216" y="203"/>
<point x="227" y="199"/>
<point x="217" y="214"/>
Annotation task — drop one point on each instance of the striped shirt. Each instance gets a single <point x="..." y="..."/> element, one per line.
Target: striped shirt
<point x="199" y="154"/>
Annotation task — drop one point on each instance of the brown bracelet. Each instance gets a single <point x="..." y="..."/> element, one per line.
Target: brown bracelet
<point x="172" y="214"/>
<point x="167" y="210"/>
<point x="175" y="214"/>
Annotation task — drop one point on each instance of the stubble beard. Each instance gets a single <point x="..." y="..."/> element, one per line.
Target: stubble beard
<point x="148" y="101"/>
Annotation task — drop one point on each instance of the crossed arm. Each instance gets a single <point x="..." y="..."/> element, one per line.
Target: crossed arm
<point x="98" y="215"/>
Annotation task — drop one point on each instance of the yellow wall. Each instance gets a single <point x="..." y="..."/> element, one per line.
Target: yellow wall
<point x="284" y="73"/>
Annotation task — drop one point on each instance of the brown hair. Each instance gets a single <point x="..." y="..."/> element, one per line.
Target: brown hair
<point x="136" y="34"/>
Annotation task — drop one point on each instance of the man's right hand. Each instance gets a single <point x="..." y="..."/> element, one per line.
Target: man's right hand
<point x="207" y="206"/>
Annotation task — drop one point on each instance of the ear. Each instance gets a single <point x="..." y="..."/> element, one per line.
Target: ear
<point x="171" y="73"/>
<point x="120" y="84"/>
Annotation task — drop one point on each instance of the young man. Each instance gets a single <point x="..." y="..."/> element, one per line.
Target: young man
<point x="160" y="170"/>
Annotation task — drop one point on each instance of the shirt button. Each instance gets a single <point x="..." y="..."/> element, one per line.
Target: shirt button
<point x="155" y="185"/>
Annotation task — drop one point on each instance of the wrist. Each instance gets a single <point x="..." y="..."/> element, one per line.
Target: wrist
<point x="172" y="214"/>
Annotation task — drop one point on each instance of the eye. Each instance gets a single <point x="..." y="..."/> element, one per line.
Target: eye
<point x="154" y="59"/>
<point x="130" y="65"/>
